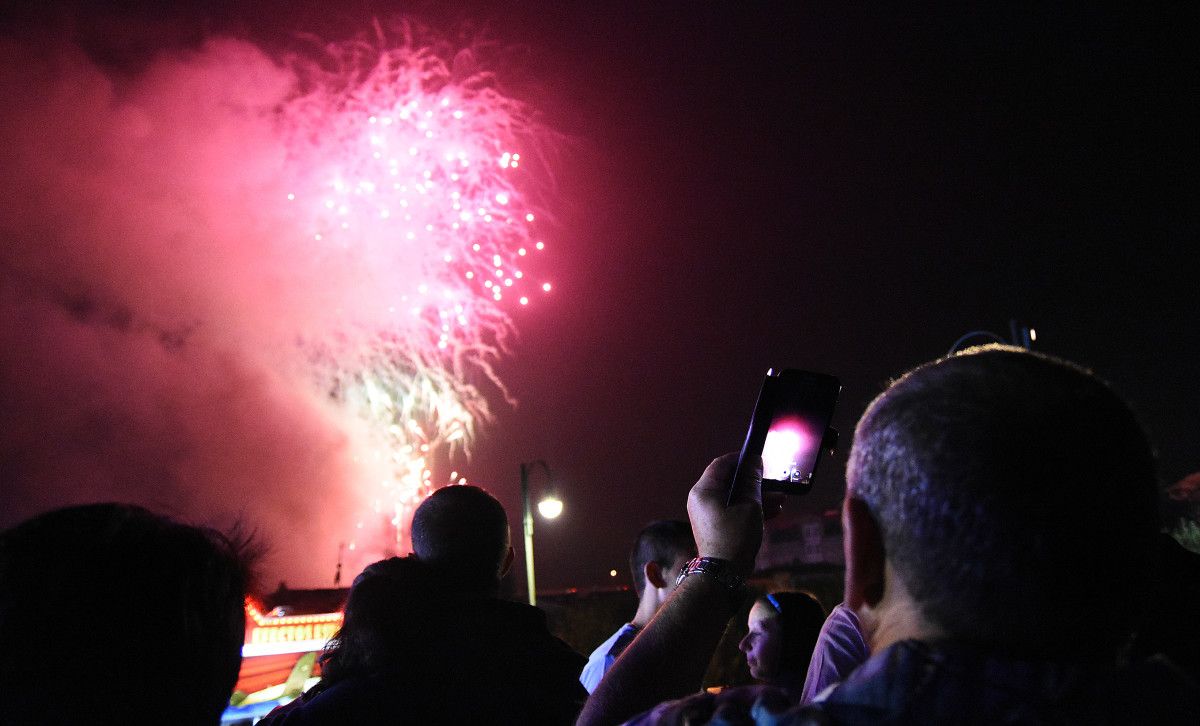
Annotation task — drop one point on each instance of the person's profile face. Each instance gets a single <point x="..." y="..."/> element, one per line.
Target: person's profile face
<point x="763" y="642"/>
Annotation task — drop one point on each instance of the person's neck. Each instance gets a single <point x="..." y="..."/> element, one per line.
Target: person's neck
<point x="896" y="617"/>
<point x="647" y="606"/>
<point x="900" y="623"/>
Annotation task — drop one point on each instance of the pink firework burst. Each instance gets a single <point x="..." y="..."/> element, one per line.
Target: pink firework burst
<point x="415" y="179"/>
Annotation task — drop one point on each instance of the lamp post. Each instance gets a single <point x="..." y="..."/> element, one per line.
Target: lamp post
<point x="550" y="507"/>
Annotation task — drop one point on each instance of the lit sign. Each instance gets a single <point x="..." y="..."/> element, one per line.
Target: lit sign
<point x="267" y="635"/>
<point x="293" y="633"/>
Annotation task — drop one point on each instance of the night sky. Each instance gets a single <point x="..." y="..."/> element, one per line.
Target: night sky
<point x="757" y="185"/>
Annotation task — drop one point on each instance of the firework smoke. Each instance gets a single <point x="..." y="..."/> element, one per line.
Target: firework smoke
<point x="238" y="286"/>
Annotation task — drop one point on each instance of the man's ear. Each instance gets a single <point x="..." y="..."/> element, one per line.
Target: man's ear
<point x="654" y="574"/>
<point x="508" y="560"/>
<point x="865" y="555"/>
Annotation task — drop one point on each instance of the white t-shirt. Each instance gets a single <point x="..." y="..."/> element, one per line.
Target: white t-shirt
<point x="602" y="658"/>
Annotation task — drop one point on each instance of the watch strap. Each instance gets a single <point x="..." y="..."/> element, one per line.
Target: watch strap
<point x="720" y="570"/>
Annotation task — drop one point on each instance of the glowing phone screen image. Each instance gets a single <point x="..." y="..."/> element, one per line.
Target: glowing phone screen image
<point x="790" y="449"/>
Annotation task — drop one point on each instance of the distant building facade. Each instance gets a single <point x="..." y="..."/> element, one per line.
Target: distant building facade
<point x="804" y="538"/>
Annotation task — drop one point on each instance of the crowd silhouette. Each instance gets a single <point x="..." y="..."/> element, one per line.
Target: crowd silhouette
<point x="977" y="590"/>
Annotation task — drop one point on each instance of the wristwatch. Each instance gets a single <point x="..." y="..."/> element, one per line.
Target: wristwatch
<point x="720" y="570"/>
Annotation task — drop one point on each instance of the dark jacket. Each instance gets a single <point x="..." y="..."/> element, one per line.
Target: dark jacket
<point x="917" y="683"/>
<point x="913" y="682"/>
<point x="475" y="661"/>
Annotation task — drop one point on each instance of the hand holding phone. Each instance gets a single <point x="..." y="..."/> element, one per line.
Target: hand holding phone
<point x="725" y="530"/>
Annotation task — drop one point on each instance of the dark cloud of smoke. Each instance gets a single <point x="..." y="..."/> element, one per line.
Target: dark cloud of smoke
<point x="150" y="304"/>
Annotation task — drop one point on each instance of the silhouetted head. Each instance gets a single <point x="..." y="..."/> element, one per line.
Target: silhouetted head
<point x="112" y="614"/>
<point x="1013" y="493"/>
<point x="385" y="622"/>
<point x="462" y="533"/>
<point x="667" y="543"/>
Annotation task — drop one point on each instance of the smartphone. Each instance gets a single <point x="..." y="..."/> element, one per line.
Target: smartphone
<point x="790" y="428"/>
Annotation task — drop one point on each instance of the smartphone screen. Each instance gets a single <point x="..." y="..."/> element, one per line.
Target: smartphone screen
<point x="789" y="427"/>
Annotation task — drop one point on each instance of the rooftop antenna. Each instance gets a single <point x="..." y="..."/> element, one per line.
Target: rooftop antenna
<point x="1022" y="336"/>
<point x="337" y="574"/>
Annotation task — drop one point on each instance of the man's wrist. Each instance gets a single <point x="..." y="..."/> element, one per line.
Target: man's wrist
<point x="703" y="584"/>
<point x="724" y="571"/>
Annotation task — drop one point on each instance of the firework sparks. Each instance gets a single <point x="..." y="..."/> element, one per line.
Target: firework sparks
<point x="399" y="166"/>
<point x="285" y="280"/>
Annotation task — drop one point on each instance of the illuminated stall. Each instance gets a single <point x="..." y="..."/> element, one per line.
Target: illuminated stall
<point x="279" y="657"/>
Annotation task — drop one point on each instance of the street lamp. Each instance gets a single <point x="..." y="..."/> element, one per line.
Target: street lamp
<point x="550" y="506"/>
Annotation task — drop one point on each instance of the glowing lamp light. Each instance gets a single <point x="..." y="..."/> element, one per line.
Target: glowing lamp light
<point x="612" y="573"/>
<point x="550" y="507"/>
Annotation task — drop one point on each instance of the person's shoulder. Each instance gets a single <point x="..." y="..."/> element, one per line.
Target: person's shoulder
<point x="501" y="609"/>
<point x="1153" y="690"/>
<point x="915" y="681"/>
<point x="354" y="700"/>
<point x="494" y="618"/>
<point x="490" y="628"/>
<point x="844" y="618"/>
<point x="759" y="705"/>
<point x="601" y="658"/>
<point x="604" y="649"/>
